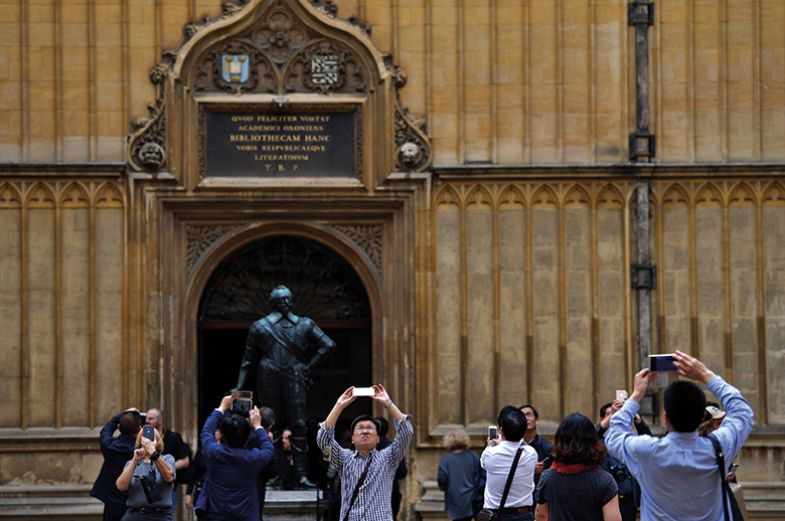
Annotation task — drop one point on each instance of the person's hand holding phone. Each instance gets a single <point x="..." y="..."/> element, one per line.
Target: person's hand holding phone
<point x="148" y="446"/>
<point x="346" y="398"/>
<point x="255" y="418"/>
<point x="640" y="384"/>
<point x="691" y="367"/>
<point x="139" y="455"/>
<point x="380" y="394"/>
<point x="226" y="402"/>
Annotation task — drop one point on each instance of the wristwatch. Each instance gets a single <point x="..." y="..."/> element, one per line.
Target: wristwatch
<point x="155" y="455"/>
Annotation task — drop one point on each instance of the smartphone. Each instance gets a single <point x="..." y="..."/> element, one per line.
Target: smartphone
<point x="734" y="467"/>
<point x="243" y="402"/>
<point x="148" y="431"/>
<point x="493" y="432"/>
<point x="362" y="391"/>
<point x="661" y="363"/>
<point x="547" y="461"/>
<point x="621" y="394"/>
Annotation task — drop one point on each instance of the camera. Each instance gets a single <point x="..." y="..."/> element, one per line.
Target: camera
<point x="148" y="487"/>
<point x="243" y="403"/>
<point x="619" y="472"/>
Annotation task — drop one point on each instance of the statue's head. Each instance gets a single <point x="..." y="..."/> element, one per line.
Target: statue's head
<point x="281" y="299"/>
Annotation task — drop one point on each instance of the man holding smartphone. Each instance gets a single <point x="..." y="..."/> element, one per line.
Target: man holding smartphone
<point x="672" y="490"/>
<point x="366" y="473"/>
<point x="497" y="460"/>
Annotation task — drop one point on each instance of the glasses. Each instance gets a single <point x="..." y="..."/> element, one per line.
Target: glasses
<point x="363" y="430"/>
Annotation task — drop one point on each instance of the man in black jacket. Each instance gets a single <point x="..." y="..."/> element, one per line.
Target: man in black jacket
<point x="117" y="452"/>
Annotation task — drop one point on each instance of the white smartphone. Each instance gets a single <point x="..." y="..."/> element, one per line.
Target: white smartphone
<point x="621" y="394"/>
<point x="493" y="433"/>
<point x="362" y="391"/>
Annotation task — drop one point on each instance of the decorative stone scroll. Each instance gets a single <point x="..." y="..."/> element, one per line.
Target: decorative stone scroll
<point x="412" y="146"/>
<point x="147" y="144"/>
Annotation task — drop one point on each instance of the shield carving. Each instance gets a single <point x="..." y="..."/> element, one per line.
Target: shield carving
<point x="235" y="68"/>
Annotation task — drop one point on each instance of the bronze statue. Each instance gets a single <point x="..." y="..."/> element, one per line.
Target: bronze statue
<point x="283" y="348"/>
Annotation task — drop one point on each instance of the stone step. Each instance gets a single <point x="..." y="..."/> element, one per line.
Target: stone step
<point x="764" y="500"/>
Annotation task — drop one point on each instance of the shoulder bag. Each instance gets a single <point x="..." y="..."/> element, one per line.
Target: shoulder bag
<point x="728" y="496"/>
<point x="357" y="487"/>
<point x="486" y="514"/>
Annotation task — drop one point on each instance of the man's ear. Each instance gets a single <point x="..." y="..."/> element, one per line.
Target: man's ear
<point x="501" y="431"/>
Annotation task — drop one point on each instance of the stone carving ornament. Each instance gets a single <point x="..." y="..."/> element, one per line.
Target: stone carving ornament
<point x="285" y="57"/>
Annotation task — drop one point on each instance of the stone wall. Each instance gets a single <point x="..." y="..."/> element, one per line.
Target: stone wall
<point x="501" y="81"/>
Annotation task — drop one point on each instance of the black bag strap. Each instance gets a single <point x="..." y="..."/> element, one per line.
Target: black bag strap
<point x="510" y="477"/>
<point x="723" y="476"/>
<point x="357" y="487"/>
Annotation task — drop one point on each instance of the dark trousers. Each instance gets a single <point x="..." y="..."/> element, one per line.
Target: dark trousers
<point x="516" y="516"/>
<point x="113" y="512"/>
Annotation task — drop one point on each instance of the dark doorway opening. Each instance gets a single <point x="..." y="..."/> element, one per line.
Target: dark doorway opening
<point x="326" y="289"/>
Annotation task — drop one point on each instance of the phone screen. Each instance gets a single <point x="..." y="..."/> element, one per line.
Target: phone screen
<point x="492" y="432"/>
<point x="148" y="431"/>
<point x="659" y="363"/>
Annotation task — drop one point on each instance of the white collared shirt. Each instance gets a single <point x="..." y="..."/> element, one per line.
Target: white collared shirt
<point x="497" y="462"/>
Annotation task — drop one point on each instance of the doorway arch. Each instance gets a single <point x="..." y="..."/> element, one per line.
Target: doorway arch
<point x="326" y="288"/>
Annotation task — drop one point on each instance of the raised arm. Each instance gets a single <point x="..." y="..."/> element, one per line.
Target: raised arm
<point x="403" y="426"/>
<point x="207" y="436"/>
<point x="381" y="396"/>
<point x="342" y="403"/>
<point x="325" y="438"/>
<point x="737" y="424"/>
<point x="622" y="443"/>
<point x="124" y="479"/>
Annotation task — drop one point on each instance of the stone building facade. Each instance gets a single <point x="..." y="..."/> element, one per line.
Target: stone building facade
<point x="589" y="182"/>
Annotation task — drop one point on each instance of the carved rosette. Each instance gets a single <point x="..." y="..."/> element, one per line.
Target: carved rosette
<point x="368" y="237"/>
<point x="199" y="238"/>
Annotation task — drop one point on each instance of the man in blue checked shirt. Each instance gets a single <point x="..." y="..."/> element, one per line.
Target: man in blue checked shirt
<point x="371" y="500"/>
<point x="678" y="474"/>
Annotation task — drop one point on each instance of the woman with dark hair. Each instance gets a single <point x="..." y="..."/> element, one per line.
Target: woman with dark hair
<point x="576" y="488"/>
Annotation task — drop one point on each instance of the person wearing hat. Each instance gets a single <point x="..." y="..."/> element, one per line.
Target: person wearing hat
<point x="712" y="418"/>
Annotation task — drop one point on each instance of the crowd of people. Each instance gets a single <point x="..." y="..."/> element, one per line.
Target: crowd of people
<point x="612" y="471"/>
<point x="228" y="477"/>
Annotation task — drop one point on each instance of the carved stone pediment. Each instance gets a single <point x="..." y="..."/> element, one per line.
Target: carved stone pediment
<point x="284" y="56"/>
<point x="276" y="50"/>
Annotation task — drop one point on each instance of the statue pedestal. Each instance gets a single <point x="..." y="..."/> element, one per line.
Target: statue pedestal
<point x="293" y="505"/>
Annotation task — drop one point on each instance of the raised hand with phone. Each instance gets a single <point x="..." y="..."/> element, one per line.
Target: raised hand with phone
<point x="368" y="471"/>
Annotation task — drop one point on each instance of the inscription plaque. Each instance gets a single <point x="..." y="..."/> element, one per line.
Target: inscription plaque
<point x="307" y="142"/>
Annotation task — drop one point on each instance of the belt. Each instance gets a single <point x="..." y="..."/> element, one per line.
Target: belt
<point x="149" y="510"/>
<point x="515" y="510"/>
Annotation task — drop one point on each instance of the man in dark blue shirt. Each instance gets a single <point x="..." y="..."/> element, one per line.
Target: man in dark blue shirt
<point x="116" y="452"/>
<point x="232" y="469"/>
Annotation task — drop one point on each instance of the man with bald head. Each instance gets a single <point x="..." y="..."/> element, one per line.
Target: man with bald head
<point x="173" y="445"/>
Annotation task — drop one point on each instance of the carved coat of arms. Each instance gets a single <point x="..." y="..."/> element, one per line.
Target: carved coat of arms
<point x="235" y="68"/>
<point x="324" y="69"/>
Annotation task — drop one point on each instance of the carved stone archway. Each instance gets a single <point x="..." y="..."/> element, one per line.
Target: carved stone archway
<point x="326" y="288"/>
